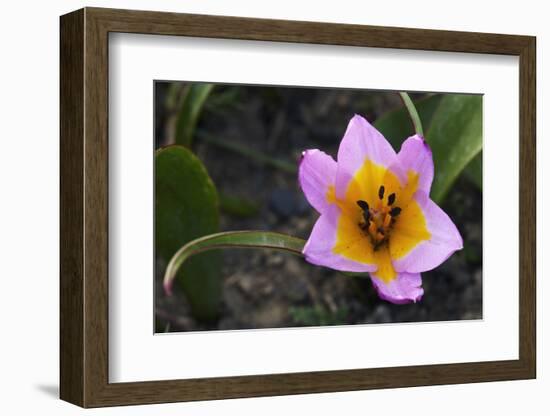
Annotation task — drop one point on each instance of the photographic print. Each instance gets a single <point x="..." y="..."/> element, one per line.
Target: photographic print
<point x="323" y="187"/>
<point x="281" y="206"/>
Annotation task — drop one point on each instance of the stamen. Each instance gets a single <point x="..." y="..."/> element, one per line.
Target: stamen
<point x="395" y="212"/>
<point x="363" y="205"/>
<point x="366" y="212"/>
<point x="377" y="223"/>
<point x="381" y="192"/>
<point x="366" y="216"/>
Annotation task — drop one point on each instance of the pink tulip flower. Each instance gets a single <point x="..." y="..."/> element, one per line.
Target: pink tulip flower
<point x="376" y="213"/>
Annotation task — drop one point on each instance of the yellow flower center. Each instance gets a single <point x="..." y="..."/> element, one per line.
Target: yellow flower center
<point x="379" y="220"/>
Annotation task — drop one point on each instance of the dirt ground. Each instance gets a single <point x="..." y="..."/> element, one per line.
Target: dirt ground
<point x="267" y="289"/>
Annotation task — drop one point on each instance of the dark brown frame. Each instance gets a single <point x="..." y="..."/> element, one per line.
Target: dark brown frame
<point x="84" y="209"/>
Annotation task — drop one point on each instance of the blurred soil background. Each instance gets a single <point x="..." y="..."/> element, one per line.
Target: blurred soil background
<point x="250" y="140"/>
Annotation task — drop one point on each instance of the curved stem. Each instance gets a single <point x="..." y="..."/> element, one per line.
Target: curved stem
<point x="231" y="239"/>
<point x="413" y="114"/>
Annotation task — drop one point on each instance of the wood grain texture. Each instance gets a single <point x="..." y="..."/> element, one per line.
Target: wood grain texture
<point x="84" y="207"/>
<point x="527" y="208"/>
<point x="96" y="218"/>
<point x="226" y="27"/>
<point x="71" y="100"/>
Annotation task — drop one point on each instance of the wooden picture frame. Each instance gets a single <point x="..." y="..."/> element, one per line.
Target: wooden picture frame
<point x="84" y="207"/>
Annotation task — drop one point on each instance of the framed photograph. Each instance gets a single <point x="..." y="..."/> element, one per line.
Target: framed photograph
<point x="255" y="207"/>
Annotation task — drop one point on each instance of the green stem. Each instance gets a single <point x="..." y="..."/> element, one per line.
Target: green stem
<point x="413" y="114"/>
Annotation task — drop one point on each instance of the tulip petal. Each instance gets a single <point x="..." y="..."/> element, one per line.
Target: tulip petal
<point x="410" y="229"/>
<point x="316" y="174"/>
<point x="319" y="248"/>
<point x="416" y="156"/>
<point x="444" y="239"/>
<point x="362" y="143"/>
<point x="405" y="288"/>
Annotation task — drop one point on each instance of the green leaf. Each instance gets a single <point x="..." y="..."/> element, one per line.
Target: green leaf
<point x="396" y="126"/>
<point x="186" y="208"/>
<point x="228" y="97"/>
<point x="192" y="102"/>
<point x="232" y="239"/>
<point x="173" y="95"/>
<point x="455" y="136"/>
<point x="474" y="170"/>
<point x="458" y="127"/>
